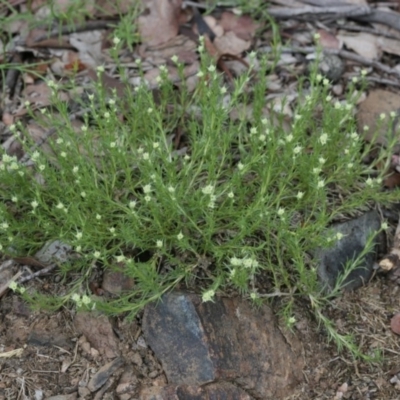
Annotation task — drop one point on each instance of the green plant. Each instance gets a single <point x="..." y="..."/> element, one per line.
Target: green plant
<point x="243" y="200"/>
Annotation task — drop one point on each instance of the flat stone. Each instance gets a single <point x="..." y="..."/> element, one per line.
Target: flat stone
<point x="332" y="261"/>
<point x="225" y="340"/>
<point x="98" y="331"/>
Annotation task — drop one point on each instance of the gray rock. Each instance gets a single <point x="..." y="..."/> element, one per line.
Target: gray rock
<point x="225" y="340"/>
<point x="331" y="66"/>
<point x="332" y="261"/>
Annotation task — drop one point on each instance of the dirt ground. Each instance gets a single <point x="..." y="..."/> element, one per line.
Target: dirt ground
<point x="48" y="356"/>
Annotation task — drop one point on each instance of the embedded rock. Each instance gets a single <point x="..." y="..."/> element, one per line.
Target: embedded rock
<point x="332" y="261"/>
<point x="225" y="340"/>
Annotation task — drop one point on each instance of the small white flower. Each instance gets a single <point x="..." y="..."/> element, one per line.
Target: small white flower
<point x="316" y="171"/>
<point x="339" y="236"/>
<point x="364" y="72"/>
<point x="240" y="166"/>
<point x="281" y="211"/>
<point x="116" y="40"/>
<point x="200" y="74"/>
<point x="231" y="195"/>
<point x="34" y="204"/>
<point x="100" y="68"/>
<point x="337" y="105"/>
<point x="98" y="217"/>
<point x="291" y="320"/>
<point x="14" y="199"/>
<point x="262" y="138"/>
<point x="325" y="82"/>
<point x="253" y="130"/>
<point x="382" y="116"/>
<point x="84" y="128"/>
<point x="323" y="138"/>
<point x="112" y="229"/>
<point x="300" y="195"/>
<point x="75" y="169"/>
<point x="4" y="225"/>
<point x="113" y="145"/>
<point x="319" y="78"/>
<point x="35" y="155"/>
<point x="106" y="115"/>
<point x="254" y="295"/>
<point x="147" y="188"/>
<point x="42" y="167"/>
<point x="321" y="160"/>
<point x="369" y="182"/>
<point x="156" y="145"/>
<point x="354" y="136"/>
<point x="78" y="249"/>
<point x="297" y="149"/>
<point x="83" y="194"/>
<point x="60" y="206"/>
<point x="208" y="189"/>
<point x="320" y="183"/>
<point x="120" y="258"/>
<point x="86" y="300"/>
<point x="354" y="79"/>
<point x="247" y="262"/>
<point x="96" y="254"/>
<point x="146" y="156"/>
<point x="63" y="154"/>
<point x="13" y="286"/>
<point x="79" y="235"/>
<point x="75" y="297"/>
<point x="132" y="204"/>
<point x="328" y="98"/>
<point x="149" y="110"/>
<point x="317" y="36"/>
<point x="111" y="102"/>
<point x="212" y="68"/>
<point x="180" y="236"/>
<point x="171" y="189"/>
<point x="236" y="262"/>
<point x="159" y="244"/>
<point x="289" y="138"/>
<point x="147" y="198"/>
<point x="350" y="165"/>
<point x="175" y="59"/>
<point x="208" y="296"/>
<point x="384" y="226"/>
<point x="366" y="128"/>
<point x="223" y="90"/>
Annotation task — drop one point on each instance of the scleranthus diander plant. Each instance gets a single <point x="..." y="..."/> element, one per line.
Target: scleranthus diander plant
<point x="239" y="207"/>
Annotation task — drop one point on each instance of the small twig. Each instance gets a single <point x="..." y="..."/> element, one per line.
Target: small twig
<point x="41" y="272"/>
<point x="4" y="287"/>
<point x="345" y="10"/>
<point x="341" y="53"/>
<point x="67" y="30"/>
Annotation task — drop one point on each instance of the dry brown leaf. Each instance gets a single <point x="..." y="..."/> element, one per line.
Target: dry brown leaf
<point x="361" y="43"/>
<point x="243" y="27"/>
<point x="160" y="21"/>
<point x="231" y="44"/>
<point x="395" y="324"/>
<point x="327" y="40"/>
<point x="39" y="95"/>
<point x="378" y="101"/>
<point x="180" y="45"/>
